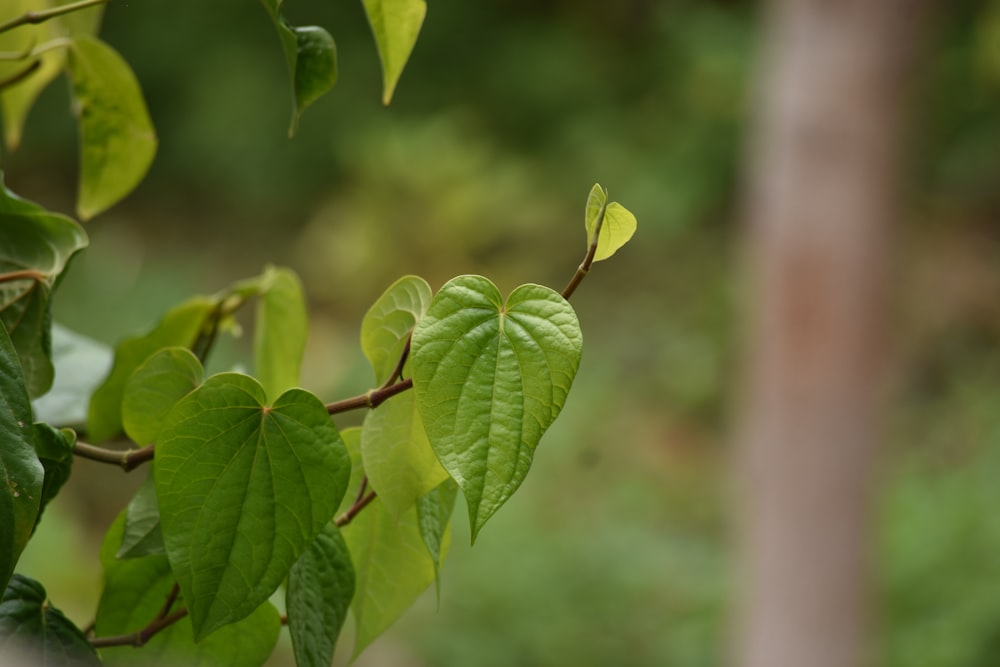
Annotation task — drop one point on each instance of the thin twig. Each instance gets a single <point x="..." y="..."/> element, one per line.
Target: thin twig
<point x="371" y="399"/>
<point x="171" y="598"/>
<point x="128" y="459"/>
<point x="20" y="76"/>
<point x="354" y="509"/>
<point x="584" y="268"/>
<point x="44" y="15"/>
<point x="141" y="637"/>
<point x="25" y="274"/>
<point x="397" y="373"/>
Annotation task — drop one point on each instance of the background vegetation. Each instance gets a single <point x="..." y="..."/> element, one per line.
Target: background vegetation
<point x="615" y="551"/>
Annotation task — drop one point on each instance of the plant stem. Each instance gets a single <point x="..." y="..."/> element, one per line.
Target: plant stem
<point x="584" y="268"/>
<point x="19" y="76"/>
<point x="25" y="274"/>
<point x="370" y="399"/>
<point x="354" y="509"/>
<point x="44" y="15"/>
<point x="128" y="459"/>
<point x="141" y="637"/>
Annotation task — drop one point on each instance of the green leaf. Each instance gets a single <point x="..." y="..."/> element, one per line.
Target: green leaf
<point x="135" y="591"/>
<point x="280" y="336"/>
<point x="117" y="140"/>
<point x="21" y="473"/>
<point x="154" y="388"/>
<point x="387" y="325"/>
<point x="397" y="456"/>
<point x="142" y="535"/>
<point x="80" y="365"/>
<point x="490" y="377"/>
<point x="392" y="568"/>
<point x="434" y="518"/>
<point x="352" y="443"/>
<point x="34" y="632"/>
<point x="396" y="25"/>
<point x="35" y="246"/>
<point x="54" y="449"/>
<point x="311" y="55"/>
<point x="320" y="589"/>
<point x="614" y="223"/>
<point x="243" y="489"/>
<point x="181" y="326"/>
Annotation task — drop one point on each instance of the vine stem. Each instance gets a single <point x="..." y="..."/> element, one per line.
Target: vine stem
<point x="584" y="268"/>
<point x="141" y="637"/>
<point x="370" y="399"/>
<point x="40" y="17"/>
<point x="128" y="459"/>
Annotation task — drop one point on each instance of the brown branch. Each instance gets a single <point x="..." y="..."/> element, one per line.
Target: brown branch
<point x="143" y="636"/>
<point x="584" y="268"/>
<point x="20" y="76"/>
<point x="29" y="18"/>
<point x="128" y="459"/>
<point x="354" y="509"/>
<point x="371" y="399"/>
<point x="26" y="274"/>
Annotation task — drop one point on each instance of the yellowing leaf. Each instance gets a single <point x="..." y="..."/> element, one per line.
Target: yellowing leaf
<point x="395" y="24"/>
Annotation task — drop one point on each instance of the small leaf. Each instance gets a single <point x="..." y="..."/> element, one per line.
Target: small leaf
<point x="117" y="140"/>
<point x="320" y="589"/>
<point x="33" y="630"/>
<point x="490" y="377"/>
<point x="434" y="511"/>
<point x="282" y="325"/>
<point x="396" y="25"/>
<point x="55" y="452"/>
<point x="35" y="246"/>
<point x="617" y="224"/>
<point x="134" y="592"/>
<point x="387" y="325"/>
<point x="80" y="365"/>
<point x="392" y="568"/>
<point x="21" y="473"/>
<point x="154" y="388"/>
<point x="181" y="326"/>
<point x="397" y="456"/>
<point x="142" y="535"/>
<point x="243" y="489"/>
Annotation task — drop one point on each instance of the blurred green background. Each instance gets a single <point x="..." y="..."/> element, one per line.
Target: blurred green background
<point x="616" y="549"/>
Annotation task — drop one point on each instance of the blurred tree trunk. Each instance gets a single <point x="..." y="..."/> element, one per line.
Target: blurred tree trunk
<point x="822" y="178"/>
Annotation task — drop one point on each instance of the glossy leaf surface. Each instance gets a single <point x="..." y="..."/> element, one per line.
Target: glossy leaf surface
<point x="135" y="591"/>
<point x="35" y="246"/>
<point x="320" y="589"/>
<point x="117" y="140"/>
<point x="395" y="25"/>
<point x="154" y="388"/>
<point x="490" y="377"/>
<point x="243" y="488"/>
<point x="617" y="224"/>
<point x="34" y="632"/>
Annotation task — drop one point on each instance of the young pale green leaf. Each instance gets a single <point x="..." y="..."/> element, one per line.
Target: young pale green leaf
<point x="33" y="632"/>
<point x="117" y="140"/>
<point x="80" y="365"/>
<point x="135" y="591"/>
<point x="35" y="246"/>
<point x="392" y="568"/>
<point x="311" y="55"/>
<point x="243" y="489"/>
<point x="181" y="326"/>
<point x="320" y="589"/>
<point x="613" y="223"/>
<point x="387" y="325"/>
<point x="434" y="511"/>
<point x="21" y="473"/>
<point x="154" y="388"/>
<point x="352" y="443"/>
<point x="280" y="336"/>
<point x="397" y="456"/>
<point x="490" y="377"/>
<point x="396" y="25"/>
<point x="54" y="449"/>
<point x="142" y="535"/>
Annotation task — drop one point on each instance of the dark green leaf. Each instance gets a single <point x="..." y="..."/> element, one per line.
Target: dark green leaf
<point x="243" y="489"/>
<point x="181" y="326"/>
<point x="142" y="536"/>
<point x="33" y="632"/>
<point x="154" y="388"/>
<point x="134" y="592"/>
<point x="395" y="24"/>
<point x="117" y="140"/>
<point x="280" y="336"/>
<point x="320" y="589"/>
<point x="35" y="246"/>
<point x="55" y="451"/>
<point x="21" y="473"/>
<point x="490" y="377"/>
<point x="80" y="363"/>
<point x="388" y="323"/>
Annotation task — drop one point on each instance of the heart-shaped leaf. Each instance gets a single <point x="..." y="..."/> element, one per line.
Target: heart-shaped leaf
<point x="243" y="489"/>
<point x="33" y="630"/>
<point x="21" y="473"/>
<point x="154" y="388"/>
<point x="320" y="589"/>
<point x="490" y="377"/>
<point x="117" y="140"/>
<point x="613" y="223"/>
<point x="387" y="325"/>
<point x="396" y="25"/>
<point x="35" y="246"/>
<point x="135" y="591"/>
